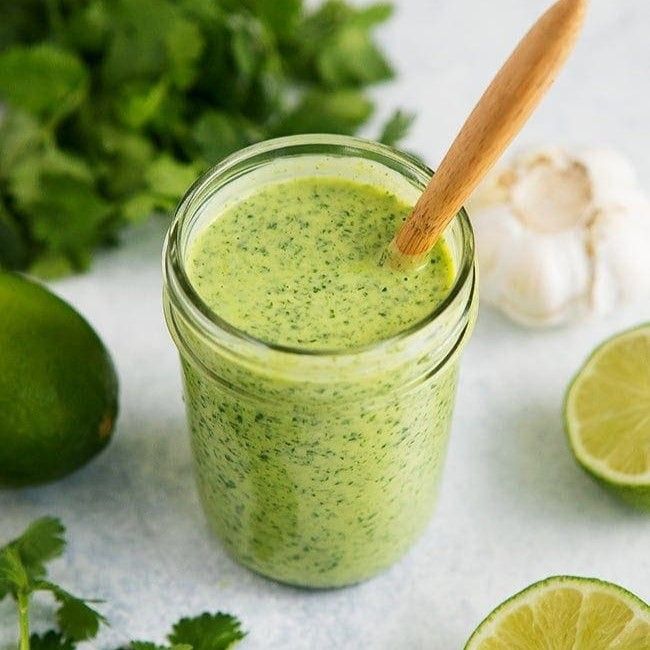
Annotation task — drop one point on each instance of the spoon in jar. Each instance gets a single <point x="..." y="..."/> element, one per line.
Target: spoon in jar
<point x="498" y="117"/>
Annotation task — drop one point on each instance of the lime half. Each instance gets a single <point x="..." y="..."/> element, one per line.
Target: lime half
<point x="607" y="414"/>
<point x="566" y="613"/>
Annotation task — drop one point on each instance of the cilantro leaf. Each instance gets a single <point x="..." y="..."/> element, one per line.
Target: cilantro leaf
<point x="281" y="16"/>
<point x="13" y="573"/>
<point x="23" y="559"/>
<point x="351" y="58"/>
<point x="77" y="620"/>
<point x="42" y="541"/>
<point x="68" y="216"/>
<point x="372" y="15"/>
<point x="242" y="71"/>
<point x="138" y="104"/>
<point x="337" y="47"/>
<point x="141" y="206"/>
<point x="125" y="157"/>
<point x="396" y="127"/>
<point x="342" y="111"/>
<point x="87" y="28"/>
<point x="165" y="180"/>
<point x="151" y="39"/>
<point x="184" y="45"/>
<point x="25" y="178"/>
<point x="217" y="134"/>
<point x="208" y="631"/>
<point x="168" y="178"/>
<point x="50" y="641"/>
<point x="245" y="49"/>
<point x="20" y="135"/>
<point x="44" y="80"/>
<point x="13" y="247"/>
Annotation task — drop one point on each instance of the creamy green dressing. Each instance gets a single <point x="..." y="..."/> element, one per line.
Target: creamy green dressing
<point x="327" y="482"/>
<point x="296" y="264"/>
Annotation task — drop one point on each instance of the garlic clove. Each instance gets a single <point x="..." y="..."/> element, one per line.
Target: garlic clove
<point x="612" y="177"/>
<point x="620" y="245"/>
<point x="550" y="198"/>
<point x="546" y="280"/>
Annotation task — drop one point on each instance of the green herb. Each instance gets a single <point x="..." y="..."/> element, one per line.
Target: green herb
<point x="396" y="127"/>
<point x="205" y="632"/>
<point x="112" y="107"/>
<point x="51" y="641"/>
<point x="23" y="573"/>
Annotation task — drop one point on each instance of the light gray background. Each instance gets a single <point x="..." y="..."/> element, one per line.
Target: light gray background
<point x="513" y="507"/>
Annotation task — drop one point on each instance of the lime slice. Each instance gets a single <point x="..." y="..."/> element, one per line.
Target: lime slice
<point x="566" y="613"/>
<point x="607" y="414"/>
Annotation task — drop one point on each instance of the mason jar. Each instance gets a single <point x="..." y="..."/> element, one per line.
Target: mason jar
<point x="317" y="469"/>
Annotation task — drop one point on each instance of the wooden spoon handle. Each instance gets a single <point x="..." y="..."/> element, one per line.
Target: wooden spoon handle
<point x="497" y="118"/>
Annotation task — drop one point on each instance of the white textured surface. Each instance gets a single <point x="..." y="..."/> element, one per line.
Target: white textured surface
<point x="513" y="507"/>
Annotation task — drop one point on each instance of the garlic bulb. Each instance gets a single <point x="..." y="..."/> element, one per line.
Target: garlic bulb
<point x="561" y="236"/>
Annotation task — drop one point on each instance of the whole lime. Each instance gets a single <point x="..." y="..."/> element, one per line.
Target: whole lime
<point x="58" y="387"/>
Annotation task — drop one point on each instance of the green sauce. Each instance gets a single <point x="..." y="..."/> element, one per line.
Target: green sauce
<point x="326" y="482"/>
<point x="296" y="264"/>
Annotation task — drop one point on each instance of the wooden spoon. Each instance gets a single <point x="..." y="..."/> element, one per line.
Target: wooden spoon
<point x="499" y="115"/>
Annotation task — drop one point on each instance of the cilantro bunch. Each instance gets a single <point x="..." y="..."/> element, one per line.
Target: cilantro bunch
<point x="23" y="573"/>
<point x="111" y="108"/>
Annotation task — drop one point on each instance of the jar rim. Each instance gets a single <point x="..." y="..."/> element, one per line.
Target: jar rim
<point x="182" y="293"/>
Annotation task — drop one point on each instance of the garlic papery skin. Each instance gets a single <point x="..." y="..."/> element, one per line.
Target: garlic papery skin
<point x="561" y="237"/>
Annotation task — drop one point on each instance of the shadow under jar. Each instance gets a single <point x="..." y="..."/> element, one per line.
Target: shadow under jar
<point x="316" y="468"/>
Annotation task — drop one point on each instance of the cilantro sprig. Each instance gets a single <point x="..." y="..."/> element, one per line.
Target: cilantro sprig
<point x="205" y="632"/>
<point x="110" y="108"/>
<point x="23" y="573"/>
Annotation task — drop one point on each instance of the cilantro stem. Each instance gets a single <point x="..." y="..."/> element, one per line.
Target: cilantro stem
<point x="23" y="619"/>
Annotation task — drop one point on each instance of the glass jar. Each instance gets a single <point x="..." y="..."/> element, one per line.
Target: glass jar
<point x="317" y="469"/>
